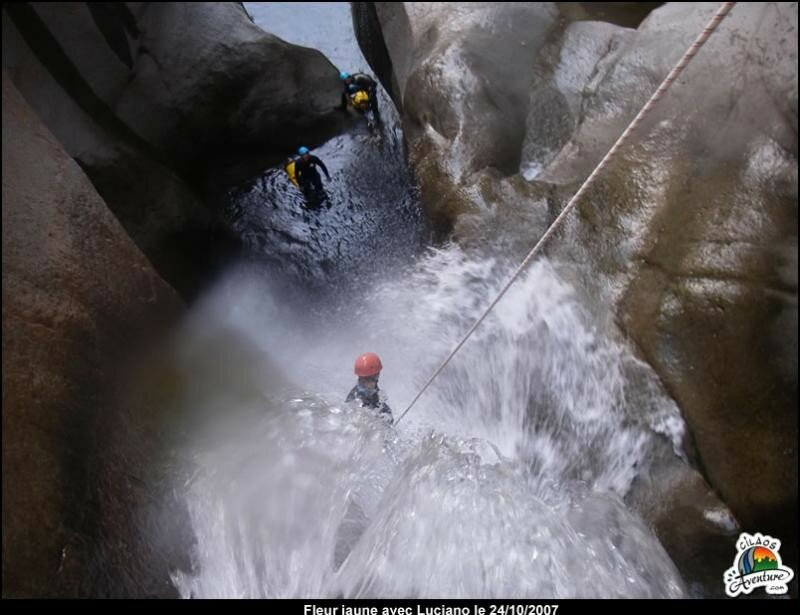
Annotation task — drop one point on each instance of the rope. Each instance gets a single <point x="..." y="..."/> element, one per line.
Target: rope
<point x="723" y="10"/>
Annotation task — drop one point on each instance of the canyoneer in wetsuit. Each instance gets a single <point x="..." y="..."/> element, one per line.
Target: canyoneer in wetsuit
<point x="359" y="82"/>
<point x="368" y="369"/>
<point x="305" y="172"/>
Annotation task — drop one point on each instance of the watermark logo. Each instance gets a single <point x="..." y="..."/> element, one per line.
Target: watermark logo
<point x="757" y="564"/>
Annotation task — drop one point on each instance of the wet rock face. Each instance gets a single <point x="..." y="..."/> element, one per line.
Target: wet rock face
<point x="695" y="230"/>
<point x="155" y="106"/>
<point x="78" y="297"/>
<point x="162" y="103"/>
<point x="462" y="75"/>
<point x="224" y="85"/>
<point x="690" y="235"/>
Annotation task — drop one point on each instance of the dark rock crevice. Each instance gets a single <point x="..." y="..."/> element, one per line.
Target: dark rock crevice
<point x="57" y="63"/>
<point x="370" y="39"/>
<point x="116" y="23"/>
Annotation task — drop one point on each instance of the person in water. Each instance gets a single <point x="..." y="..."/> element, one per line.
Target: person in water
<point x="305" y="172"/>
<point x="368" y="369"/>
<point x="359" y="82"/>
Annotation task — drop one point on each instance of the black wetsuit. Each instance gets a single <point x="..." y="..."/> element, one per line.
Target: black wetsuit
<point x="306" y="172"/>
<point x="360" y="81"/>
<point x="370" y="398"/>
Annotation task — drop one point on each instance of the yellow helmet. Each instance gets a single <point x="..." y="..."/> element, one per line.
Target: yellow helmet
<point x="360" y="99"/>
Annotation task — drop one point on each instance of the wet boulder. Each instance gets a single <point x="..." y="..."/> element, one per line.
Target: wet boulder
<point x="79" y="300"/>
<point x="166" y="104"/>
<point x="461" y="75"/>
<point x="694" y="231"/>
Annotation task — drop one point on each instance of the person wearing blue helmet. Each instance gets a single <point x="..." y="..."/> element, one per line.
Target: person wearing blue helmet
<point x="305" y="172"/>
<point x="359" y="82"/>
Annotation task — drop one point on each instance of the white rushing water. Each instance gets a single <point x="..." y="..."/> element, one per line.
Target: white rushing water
<point x="508" y="477"/>
<point x="505" y="480"/>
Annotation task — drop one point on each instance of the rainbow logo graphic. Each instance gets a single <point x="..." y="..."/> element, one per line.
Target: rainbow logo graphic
<point x="757" y="564"/>
<point x="756" y="559"/>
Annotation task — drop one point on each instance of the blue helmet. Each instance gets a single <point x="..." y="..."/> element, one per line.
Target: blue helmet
<point x="343" y="75"/>
<point x="302" y="151"/>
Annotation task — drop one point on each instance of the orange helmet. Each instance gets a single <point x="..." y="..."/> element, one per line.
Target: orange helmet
<point x="368" y="364"/>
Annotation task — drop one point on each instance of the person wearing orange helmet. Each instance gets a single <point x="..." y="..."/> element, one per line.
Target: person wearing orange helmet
<point x="368" y="369"/>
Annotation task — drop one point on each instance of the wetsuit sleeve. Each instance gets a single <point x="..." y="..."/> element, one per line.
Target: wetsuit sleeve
<point x="321" y="165"/>
<point x="352" y="394"/>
